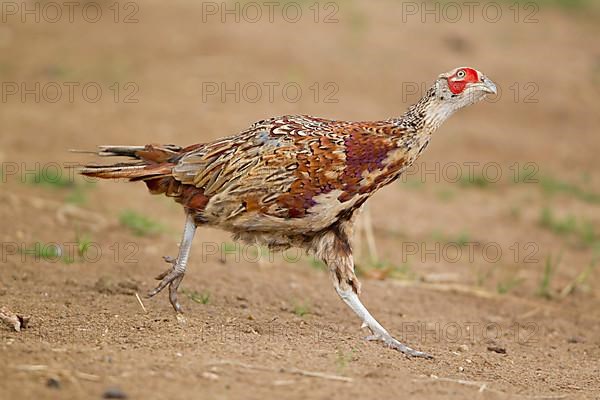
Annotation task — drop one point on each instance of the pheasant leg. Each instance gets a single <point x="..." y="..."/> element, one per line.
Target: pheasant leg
<point x="379" y="332"/>
<point x="174" y="275"/>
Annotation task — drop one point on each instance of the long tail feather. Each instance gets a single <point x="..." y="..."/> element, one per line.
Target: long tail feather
<point x="113" y="171"/>
<point x="149" y="162"/>
<point x="135" y="151"/>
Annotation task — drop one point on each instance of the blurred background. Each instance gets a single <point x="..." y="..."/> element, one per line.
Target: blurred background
<point x="496" y="224"/>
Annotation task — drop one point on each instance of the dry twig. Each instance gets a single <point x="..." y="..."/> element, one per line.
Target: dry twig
<point x="137" y="296"/>
<point x="483" y="386"/>
<point x="294" y="371"/>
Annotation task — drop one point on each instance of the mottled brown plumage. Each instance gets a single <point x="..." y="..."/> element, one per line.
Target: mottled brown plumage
<point x="294" y="180"/>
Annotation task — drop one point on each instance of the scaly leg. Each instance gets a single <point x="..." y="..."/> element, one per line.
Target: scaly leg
<point x="379" y="332"/>
<point x="174" y="275"/>
<point x="334" y="249"/>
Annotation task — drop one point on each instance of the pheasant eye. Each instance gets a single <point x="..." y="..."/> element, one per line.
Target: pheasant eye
<point x="460" y="74"/>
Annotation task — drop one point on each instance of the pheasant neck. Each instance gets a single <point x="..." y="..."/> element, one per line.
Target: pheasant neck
<point x="427" y="114"/>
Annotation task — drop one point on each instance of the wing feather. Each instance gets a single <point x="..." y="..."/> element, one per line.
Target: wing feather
<point x="283" y="166"/>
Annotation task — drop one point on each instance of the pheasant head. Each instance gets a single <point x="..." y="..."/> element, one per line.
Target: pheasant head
<point x="463" y="86"/>
<point x="452" y="91"/>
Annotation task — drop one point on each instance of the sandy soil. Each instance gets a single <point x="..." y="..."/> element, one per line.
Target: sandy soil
<point x="269" y="328"/>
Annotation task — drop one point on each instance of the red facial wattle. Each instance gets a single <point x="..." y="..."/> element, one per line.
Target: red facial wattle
<point x="457" y="85"/>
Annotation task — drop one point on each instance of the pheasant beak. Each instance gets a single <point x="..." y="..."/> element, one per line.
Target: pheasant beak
<point x="488" y="86"/>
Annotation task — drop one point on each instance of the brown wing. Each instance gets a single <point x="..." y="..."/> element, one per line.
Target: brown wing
<point x="290" y="167"/>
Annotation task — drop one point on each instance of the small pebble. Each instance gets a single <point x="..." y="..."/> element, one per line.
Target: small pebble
<point x="114" y="393"/>
<point x="460" y="369"/>
<point x="463" y="348"/>
<point x="210" y="376"/>
<point x="283" y="382"/>
<point x="53" y="383"/>
<point x="497" y="349"/>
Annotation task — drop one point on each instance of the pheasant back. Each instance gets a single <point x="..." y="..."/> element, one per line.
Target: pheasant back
<point x="292" y="175"/>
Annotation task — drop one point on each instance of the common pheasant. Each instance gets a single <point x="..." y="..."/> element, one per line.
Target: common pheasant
<point x="294" y="181"/>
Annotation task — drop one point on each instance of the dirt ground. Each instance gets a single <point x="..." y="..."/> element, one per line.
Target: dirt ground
<point x="494" y="278"/>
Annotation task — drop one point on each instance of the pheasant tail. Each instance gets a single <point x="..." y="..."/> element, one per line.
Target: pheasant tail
<point x="152" y="164"/>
